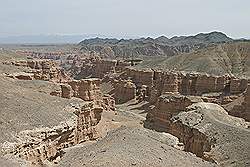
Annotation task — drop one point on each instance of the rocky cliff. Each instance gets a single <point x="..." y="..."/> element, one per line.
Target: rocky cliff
<point x="42" y="144"/>
<point x="40" y="70"/>
<point x="160" y="82"/>
<point x="93" y="66"/>
<point x="88" y="90"/>
<point x="166" y="107"/>
<point x="204" y="129"/>
<point x="241" y="107"/>
<point x="124" y="90"/>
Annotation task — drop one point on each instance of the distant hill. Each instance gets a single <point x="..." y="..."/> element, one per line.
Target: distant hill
<point x="161" y="46"/>
<point x="225" y="58"/>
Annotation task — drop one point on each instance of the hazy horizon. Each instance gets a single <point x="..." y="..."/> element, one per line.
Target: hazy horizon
<point x="124" y="19"/>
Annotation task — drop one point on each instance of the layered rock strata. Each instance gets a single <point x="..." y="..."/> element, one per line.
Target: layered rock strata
<point x="237" y="85"/>
<point x="47" y="144"/>
<point x="242" y="109"/>
<point x="205" y="129"/>
<point x="45" y="70"/>
<point x="67" y="91"/>
<point x="95" y="67"/>
<point x="21" y="76"/>
<point x="139" y="77"/>
<point x="88" y="90"/>
<point x="166" y="107"/>
<point x="125" y="90"/>
<point x="159" y="82"/>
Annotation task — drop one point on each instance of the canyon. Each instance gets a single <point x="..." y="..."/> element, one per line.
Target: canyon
<point x="95" y="104"/>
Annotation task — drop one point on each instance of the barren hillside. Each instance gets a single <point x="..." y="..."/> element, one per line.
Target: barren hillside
<point x="161" y="46"/>
<point x="229" y="58"/>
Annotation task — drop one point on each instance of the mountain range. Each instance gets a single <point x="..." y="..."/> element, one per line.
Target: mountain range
<point x="161" y="46"/>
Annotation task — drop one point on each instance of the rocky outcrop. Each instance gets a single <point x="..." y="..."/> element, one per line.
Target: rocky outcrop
<point x="21" y="76"/>
<point x="102" y="67"/>
<point x="88" y="90"/>
<point x="45" y="70"/>
<point x="247" y="101"/>
<point x="166" y="107"/>
<point x="41" y="55"/>
<point x="67" y="91"/>
<point x="108" y="103"/>
<point x="205" y="129"/>
<point x="242" y="108"/>
<point x="237" y="85"/>
<point x="124" y="91"/>
<point x="57" y="93"/>
<point x="87" y="118"/>
<point x="94" y="66"/>
<point x="164" y="82"/>
<point x="42" y="144"/>
<point x="205" y="83"/>
<point x="143" y="93"/>
<point x="139" y="77"/>
<point x="160" y="82"/>
<point x="171" y="83"/>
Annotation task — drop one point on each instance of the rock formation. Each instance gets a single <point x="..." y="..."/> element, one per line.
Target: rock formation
<point x="242" y="108"/>
<point x="95" y="67"/>
<point x="159" y="82"/>
<point x="183" y="106"/>
<point x="87" y="118"/>
<point x="21" y="76"/>
<point x="42" y="144"/>
<point x="247" y="101"/>
<point x="237" y="85"/>
<point x="42" y="70"/>
<point x="204" y="128"/>
<point x="125" y="90"/>
<point x="166" y="107"/>
<point x="67" y="91"/>
<point x="139" y="77"/>
<point x="88" y="90"/>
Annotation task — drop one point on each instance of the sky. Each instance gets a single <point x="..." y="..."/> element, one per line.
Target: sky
<point x="124" y="18"/>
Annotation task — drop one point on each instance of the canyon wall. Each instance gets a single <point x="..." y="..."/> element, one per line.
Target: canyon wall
<point x="93" y="66"/>
<point x="46" y="70"/>
<point x="42" y="144"/>
<point x="139" y="77"/>
<point x="88" y="90"/>
<point x="242" y="108"/>
<point x="166" y="107"/>
<point x="124" y="90"/>
<point x="238" y="85"/>
<point x="160" y="82"/>
<point x="247" y="101"/>
<point x="203" y="128"/>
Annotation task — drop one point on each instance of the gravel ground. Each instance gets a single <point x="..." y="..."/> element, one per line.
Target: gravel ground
<point x="127" y="146"/>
